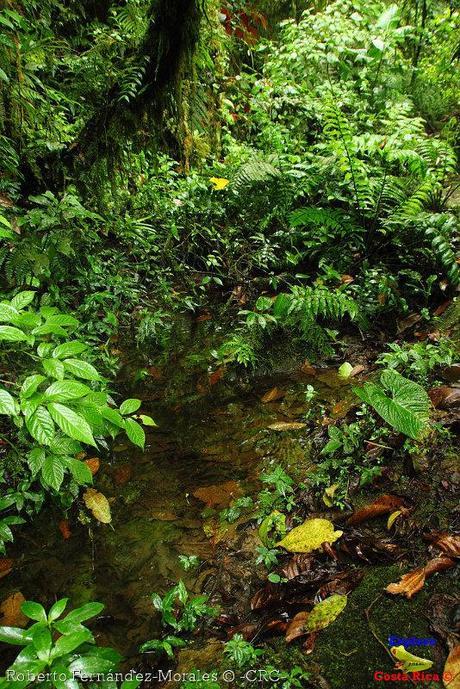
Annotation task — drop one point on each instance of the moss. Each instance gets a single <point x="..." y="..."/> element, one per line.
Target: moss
<point x="347" y="651"/>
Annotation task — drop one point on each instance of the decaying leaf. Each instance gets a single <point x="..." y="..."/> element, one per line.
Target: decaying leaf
<point x="6" y="565"/>
<point x="65" y="529"/>
<point x="408" y="662"/>
<point x="382" y="505"/>
<point x="325" y="612"/>
<point x="328" y="495"/>
<point x="273" y="395"/>
<point x="296" y="626"/>
<point x="412" y="582"/>
<point x="98" y="504"/>
<point x="309" y="536"/>
<point x="448" y="543"/>
<point x="451" y="674"/>
<point x="10" y="611"/>
<point x="444" y="397"/>
<point x="220" y="494"/>
<point x="286" y="426"/>
<point x="123" y="474"/>
<point x="93" y="464"/>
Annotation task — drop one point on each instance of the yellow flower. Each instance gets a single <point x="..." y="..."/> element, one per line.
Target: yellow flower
<point x="219" y="182"/>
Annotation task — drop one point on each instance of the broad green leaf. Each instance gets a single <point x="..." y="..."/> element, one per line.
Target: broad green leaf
<point x="10" y="334"/>
<point x="36" y="459"/>
<point x="407" y="410"/>
<point x="70" y="642"/>
<point x="64" y="390"/>
<point x="71" y="423"/>
<point x="309" y="536"/>
<point x="129" y="406"/>
<point x="41" y="639"/>
<point x="53" y="471"/>
<point x="345" y="369"/>
<point x="81" y="369"/>
<point x="57" y="609"/>
<point x="69" y="349"/>
<point x="34" y="610"/>
<point x="40" y="426"/>
<point x="79" y="470"/>
<point x="54" y="368"/>
<point x="81" y="614"/>
<point x="62" y="445"/>
<point x="135" y="433"/>
<point x="91" y="665"/>
<point x="7" y="313"/>
<point x="44" y="349"/>
<point x="7" y="404"/>
<point x="113" y="416"/>
<point x="22" y="299"/>
<point x="31" y="384"/>
<point x="15" y="636"/>
<point x="49" y="329"/>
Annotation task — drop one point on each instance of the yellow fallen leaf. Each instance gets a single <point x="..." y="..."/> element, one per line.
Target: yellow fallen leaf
<point x="392" y="518"/>
<point x="286" y="426"/>
<point x="309" y="536"/>
<point x="451" y="674"/>
<point x="219" y="182"/>
<point x="10" y="611"/>
<point x="325" y="612"/>
<point x="98" y="504"/>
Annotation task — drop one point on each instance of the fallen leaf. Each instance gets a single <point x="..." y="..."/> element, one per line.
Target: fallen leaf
<point x="392" y="518"/>
<point x="346" y="279"/>
<point x="217" y="375"/>
<point x="452" y="373"/>
<point x="65" y="529"/>
<point x="412" y="582"/>
<point x="6" y="565"/>
<point x="220" y="494"/>
<point x="122" y="474"/>
<point x="359" y="368"/>
<point x="408" y="322"/>
<point x="10" y="611"/>
<point x="93" y="464"/>
<point x="451" y="674"/>
<point x="273" y="395"/>
<point x="308" y="369"/>
<point x="309" y="536"/>
<point x="203" y="317"/>
<point x="382" y="505"/>
<point x="286" y="426"/>
<point x="98" y="504"/>
<point x="296" y="626"/>
<point x="345" y="370"/>
<point x="328" y="495"/>
<point x="448" y="543"/>
<point x="408" y="662"/>
<point x="442" y="307"/>
<point x="444" y="397"/>
<point x="325" y="612"/>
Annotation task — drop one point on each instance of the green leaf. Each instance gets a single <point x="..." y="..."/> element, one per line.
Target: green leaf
<point x="40" y="426"/>
<point x="64" y="390"/>
<point x="345" y="369"/>
<point x="22" y="299"/>
<point x="407" y="410"/>
<point x="75" y="617"/>
<point x="15" y="636"/>
<point x="147" y="420"/>
<point x="79" y="470"/>
<point x="36" y="459"/>
<point x="31" y="384"/>
<point x="81" y="369"/>
<point x="129" y="406"/>
<point x="57" y="609"/>
<point x="44" y="349"/>
<point x="135" y="433"/>
<point x="7" y="403"/>
<point x="41" y="639"/>
<point x="53" y="471"/>
<point x="70" y="642"/>
<point x="34" y="610"/>
<point x="69" y="349"/>
<point x="113" y="416"/>
<point x="7" y="313"/>
<point x="91" y="665"/>
<point x="10" y="334"/>
<point x="71" y="423"/>
<point x="62" y="445"/>
<point x="54" y="368"/>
